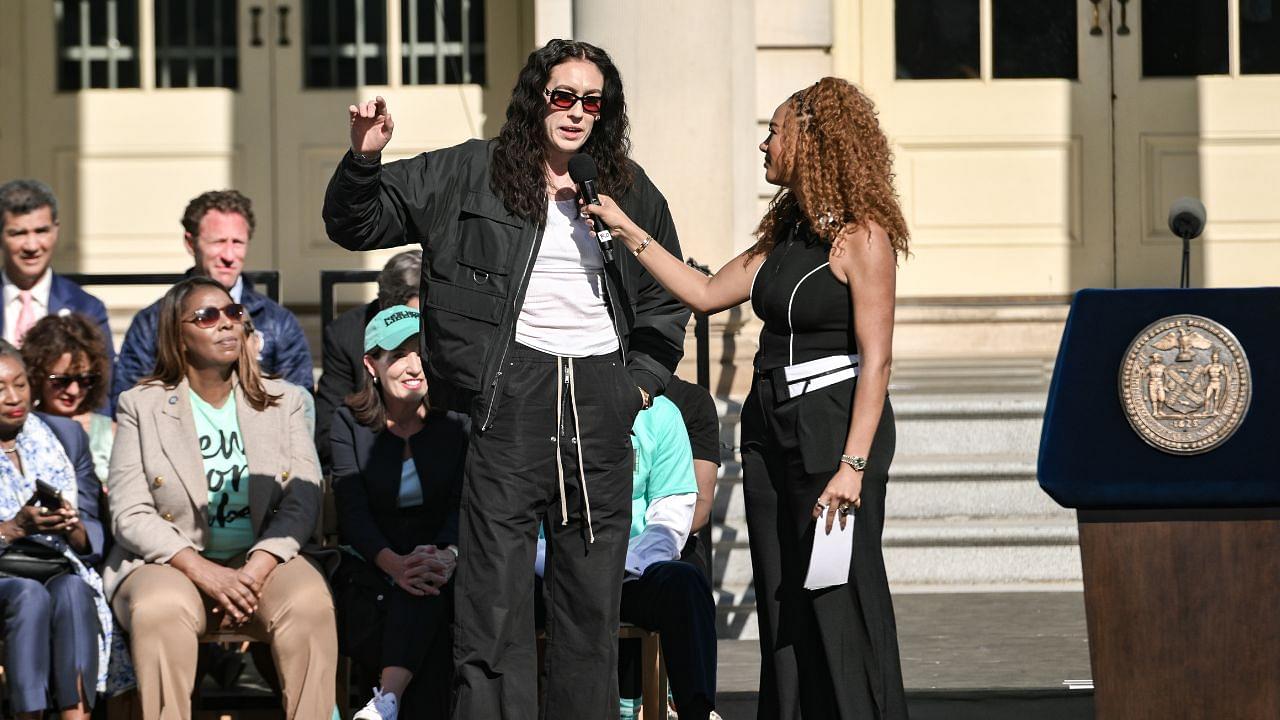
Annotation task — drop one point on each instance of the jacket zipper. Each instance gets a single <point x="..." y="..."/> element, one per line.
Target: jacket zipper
<point x="613" y="316"/>
<point x="515" y="296"/>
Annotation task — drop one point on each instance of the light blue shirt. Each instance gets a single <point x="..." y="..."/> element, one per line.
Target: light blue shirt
<point x="410" y="486"/>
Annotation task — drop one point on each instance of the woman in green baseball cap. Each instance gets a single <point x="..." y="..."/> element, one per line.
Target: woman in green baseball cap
<point x="397" y="474"/>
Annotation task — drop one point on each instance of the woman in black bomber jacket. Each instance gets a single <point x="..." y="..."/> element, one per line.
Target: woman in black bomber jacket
<point x="551" y="350"/>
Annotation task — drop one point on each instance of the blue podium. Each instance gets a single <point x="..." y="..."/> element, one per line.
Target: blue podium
<point x="1162" y="430"/>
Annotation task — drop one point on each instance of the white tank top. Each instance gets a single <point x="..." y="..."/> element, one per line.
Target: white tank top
<point x="565" y="311"/>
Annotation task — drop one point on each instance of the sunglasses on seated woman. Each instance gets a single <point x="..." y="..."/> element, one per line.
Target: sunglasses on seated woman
<point x="207" y="317"/>
<point x="86" y="381"/>
<point x="563" y="100"/>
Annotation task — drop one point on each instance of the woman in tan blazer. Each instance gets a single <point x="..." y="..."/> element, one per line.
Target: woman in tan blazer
<point x="215" y="502"/>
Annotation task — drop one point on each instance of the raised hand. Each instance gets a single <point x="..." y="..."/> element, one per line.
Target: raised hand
<point x="371" y="126"/>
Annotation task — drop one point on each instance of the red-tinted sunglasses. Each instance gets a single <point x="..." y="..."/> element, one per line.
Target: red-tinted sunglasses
<point x="86" y="381"/>
<point x="207" y="317"/>
<point x="563" y="100"/>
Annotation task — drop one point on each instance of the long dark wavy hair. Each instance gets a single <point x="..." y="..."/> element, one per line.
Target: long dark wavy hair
<point x="171" y="357"/>
<point x="518" y="173"/>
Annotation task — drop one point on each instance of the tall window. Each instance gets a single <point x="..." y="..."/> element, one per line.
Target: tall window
<point x="196" y="43"/>
<point x="442" y="41"/>
<point x="346" y="43"/>
<point x="97" y="43"/>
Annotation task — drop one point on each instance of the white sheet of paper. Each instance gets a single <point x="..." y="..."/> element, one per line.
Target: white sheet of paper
<point x="829" y="565"/>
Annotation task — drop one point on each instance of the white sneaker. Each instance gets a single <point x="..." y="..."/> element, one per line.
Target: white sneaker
<point x="383" y="706"/>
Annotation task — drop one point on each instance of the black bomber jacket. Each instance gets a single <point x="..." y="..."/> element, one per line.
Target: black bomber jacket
<point x="477" y="258"/>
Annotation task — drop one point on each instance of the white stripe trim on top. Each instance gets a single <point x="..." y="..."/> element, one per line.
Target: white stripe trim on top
<point x="791" y="342"/>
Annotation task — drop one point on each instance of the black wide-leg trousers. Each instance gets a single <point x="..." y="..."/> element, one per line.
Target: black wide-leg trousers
<point x="512" y="485"/>
<point x="828" y="654"/>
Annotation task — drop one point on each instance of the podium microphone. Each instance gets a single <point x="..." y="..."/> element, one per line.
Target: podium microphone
<point x="582" y="170"/>
<point x="1186" y="220"/>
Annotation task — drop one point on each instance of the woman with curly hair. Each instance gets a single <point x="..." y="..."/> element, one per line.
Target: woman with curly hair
<point x="817" y="427"/>
<point x="67" y="361"/>
<point x="551" y="349"/>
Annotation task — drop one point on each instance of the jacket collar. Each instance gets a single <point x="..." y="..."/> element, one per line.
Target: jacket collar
<point x="257" y="433"/>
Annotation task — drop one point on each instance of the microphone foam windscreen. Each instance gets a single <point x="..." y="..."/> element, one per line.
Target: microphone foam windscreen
<point x="582" y="167"/>
<point x="1187" y="217"/>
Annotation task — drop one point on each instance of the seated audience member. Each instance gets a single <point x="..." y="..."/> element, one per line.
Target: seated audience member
<point x="397" y="474"/>
<point x="662" y="592"/>
<point x="702" y="421"/>
<point x="215" y="507"/>
<point x="57" y="625"/>
<point x="29" y="214"/>
<point x="70" y="373"/>
<point x="217" y="226"/>
<point x="343" y="356"/>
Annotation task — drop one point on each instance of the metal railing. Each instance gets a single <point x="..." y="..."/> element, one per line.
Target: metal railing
<point x="266" y="282"/>
<point x="331" y="278"/>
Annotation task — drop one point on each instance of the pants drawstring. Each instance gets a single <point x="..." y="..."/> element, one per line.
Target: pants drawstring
<point x="564" y="507"/>
<point x="564" y="376"/>
<point x="577" y="438"/>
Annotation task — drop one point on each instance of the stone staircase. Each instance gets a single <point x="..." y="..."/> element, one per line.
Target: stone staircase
<point x="964" y="511"/>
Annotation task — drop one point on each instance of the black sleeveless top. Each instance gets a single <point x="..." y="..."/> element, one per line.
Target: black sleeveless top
<point x="807" y="313"/>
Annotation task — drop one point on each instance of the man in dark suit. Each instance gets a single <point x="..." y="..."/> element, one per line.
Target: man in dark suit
<point x="29" y="225"/>
<point x="343" y="356"/>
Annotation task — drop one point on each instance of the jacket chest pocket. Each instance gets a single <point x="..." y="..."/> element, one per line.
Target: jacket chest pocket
<point x="487" y="239"/>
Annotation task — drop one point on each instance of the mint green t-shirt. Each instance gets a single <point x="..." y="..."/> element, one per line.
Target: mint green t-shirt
<point x="226" y="470"/>
<point x="664" y="459"/>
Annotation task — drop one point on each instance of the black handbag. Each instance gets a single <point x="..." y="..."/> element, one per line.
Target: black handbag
<point x="360" y="593"/>
<point x="34" y="561"/>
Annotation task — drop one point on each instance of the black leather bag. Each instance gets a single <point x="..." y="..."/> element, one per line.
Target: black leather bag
<point x="360" y="595"/>
<point x="33" y="561"/>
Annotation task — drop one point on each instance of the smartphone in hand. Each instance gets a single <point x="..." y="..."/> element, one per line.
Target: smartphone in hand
<point x="47" y="496"/>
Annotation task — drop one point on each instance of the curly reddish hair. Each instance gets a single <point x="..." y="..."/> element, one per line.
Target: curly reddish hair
<point x="841" y="165"/>
<point x="72" y="334"/>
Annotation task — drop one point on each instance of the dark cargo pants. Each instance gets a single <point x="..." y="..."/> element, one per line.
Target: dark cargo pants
<point x="512" y="484"/>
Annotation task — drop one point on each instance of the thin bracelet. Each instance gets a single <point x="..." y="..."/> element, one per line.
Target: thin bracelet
<point x="643" y="244"/>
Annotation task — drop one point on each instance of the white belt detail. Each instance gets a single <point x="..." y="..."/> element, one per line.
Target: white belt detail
<point x="816" y="374"/>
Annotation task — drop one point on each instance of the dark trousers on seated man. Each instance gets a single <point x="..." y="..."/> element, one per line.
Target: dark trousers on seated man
<point x="660" y="592"/>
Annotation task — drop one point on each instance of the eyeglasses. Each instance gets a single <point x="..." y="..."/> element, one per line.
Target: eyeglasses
<point x="86" y="381"/>
<point x="563" y="100"/>
<point x="207" y="317"/>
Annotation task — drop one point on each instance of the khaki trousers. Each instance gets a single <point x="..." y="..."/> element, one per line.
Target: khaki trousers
<point x="165" y="615"/>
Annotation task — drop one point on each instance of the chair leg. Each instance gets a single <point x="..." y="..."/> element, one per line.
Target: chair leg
<point x="343" y="686"/>
<point x="654" y="679"/>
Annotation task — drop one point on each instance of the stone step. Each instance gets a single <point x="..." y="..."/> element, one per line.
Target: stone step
<point x="971" y="423"/>
<point x="934" y="553"/>
<point x="933" y="486"/>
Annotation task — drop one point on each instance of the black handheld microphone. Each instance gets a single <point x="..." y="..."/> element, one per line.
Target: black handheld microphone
<point x="582" y="170"/>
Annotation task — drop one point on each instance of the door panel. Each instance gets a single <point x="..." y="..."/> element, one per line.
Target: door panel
<point x="1195" y="115"/>
<point x="330" y="66"/>
<point x="999" y="116"/>
<point x="125" y="160"/>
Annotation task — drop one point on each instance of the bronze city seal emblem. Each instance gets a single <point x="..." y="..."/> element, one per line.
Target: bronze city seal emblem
<point x="1185" y="384"/>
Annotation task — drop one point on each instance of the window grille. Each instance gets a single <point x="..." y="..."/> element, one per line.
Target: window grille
<point x="97" y="43"/>
<point x="442" y="41"/>
<point x="196" y="43"/>
<point x="346" y="43"/>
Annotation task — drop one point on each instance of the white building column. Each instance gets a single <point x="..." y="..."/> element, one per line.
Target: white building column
<point x="689" y="73"/>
